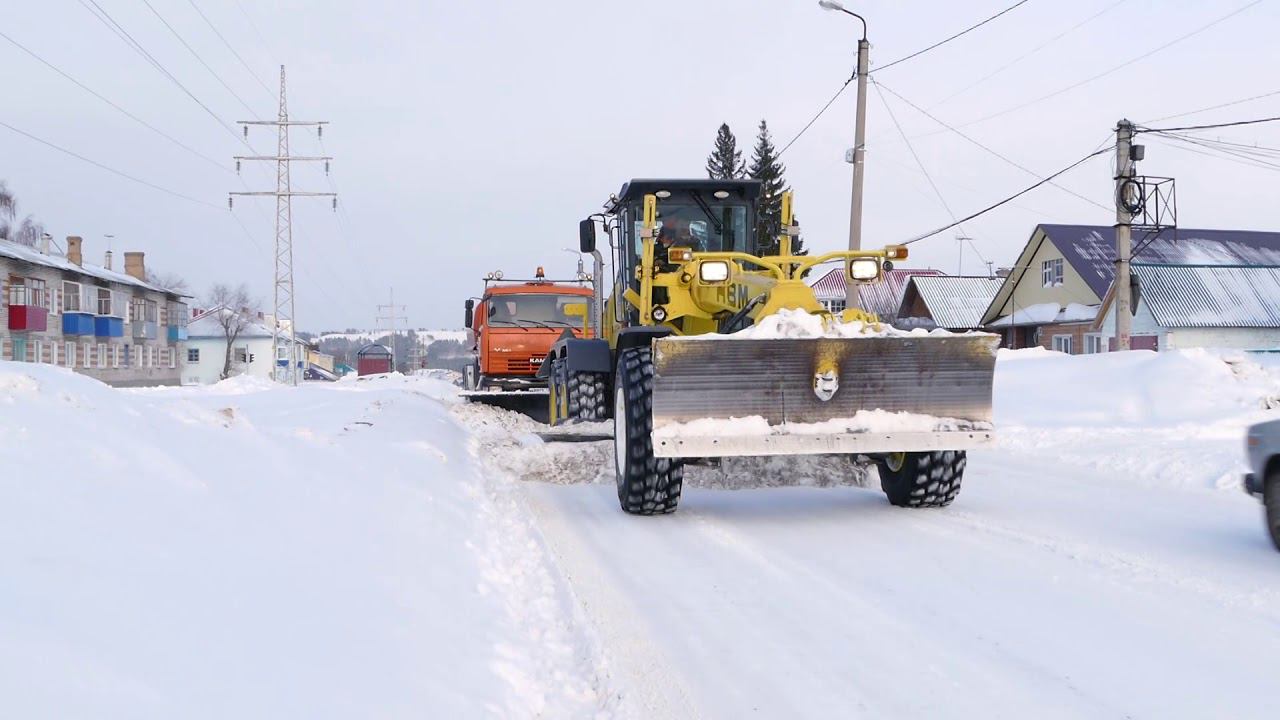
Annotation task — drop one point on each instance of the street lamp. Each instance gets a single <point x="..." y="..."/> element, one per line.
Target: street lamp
<point x="859" y="140"/>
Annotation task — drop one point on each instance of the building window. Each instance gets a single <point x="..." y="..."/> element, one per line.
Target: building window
<point x="70" y="358"/>
<point x="53" y="352"/>
<point x="39" y="351"/>
<point x="1062" y="343"/>
<point x="1094" y="344"/>
<point x="19" y="349"/>
<point x="1051" y="272"/>
<point x="70" y="296"/>
<point x="88" y="350"/>
<point x="102" y="356"/>
<point x="153" y="353"/>
<point x="835" y="306"/>
<point x="115" y="356"/>
<point x="173" y="358"/>
<point x="193" y="355"/>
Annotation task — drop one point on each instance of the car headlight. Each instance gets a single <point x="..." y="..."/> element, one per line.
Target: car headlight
<point x="863" y="269"/>
<point x="713" y="271"/>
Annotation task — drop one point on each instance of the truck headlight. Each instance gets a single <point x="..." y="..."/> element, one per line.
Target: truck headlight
<point x="713" y="271"/>
<point x="863" y="269"/>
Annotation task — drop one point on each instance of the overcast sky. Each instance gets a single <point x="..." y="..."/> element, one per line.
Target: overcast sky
<point x="472" y="136"/>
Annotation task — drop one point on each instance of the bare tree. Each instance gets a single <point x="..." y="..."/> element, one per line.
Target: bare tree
<point x="233" y="310"/>
<point x="28" y="231"/>
<point x="172" y="282"/>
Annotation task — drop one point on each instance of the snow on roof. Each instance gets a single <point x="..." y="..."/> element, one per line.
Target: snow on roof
<point x="31" y="255"/>
<point x="953" y="302"/>
<point x="1211" y="295"/>
<point x="1091" y="249"/>
<point x="881" y="298"/>
<point x="1047" y="314"/>
<point x="206" y="325"/>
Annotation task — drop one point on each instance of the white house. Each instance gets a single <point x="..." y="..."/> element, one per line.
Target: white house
<point x="207" y="347"/>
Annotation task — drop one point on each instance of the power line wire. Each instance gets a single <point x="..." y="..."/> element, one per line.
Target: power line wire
<point x="1017" y="165"/>
<point x="104" y="99"/>
<point x="1031" y="52"/>
<point x="940" y="43"/>
<point x="1009" y="199"/>
<point x="214" y="28"/>
<point x="1124" y="65"/>
<point x="914" y="155"/>
<point x="1216" y="107"/>
<point x="108" y="168"/>
<point x="1236" y="123"/>
<point x="197" y="56"/>
<point x="820" y="112"/>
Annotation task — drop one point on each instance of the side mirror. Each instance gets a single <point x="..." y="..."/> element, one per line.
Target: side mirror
<point x="587" y="235"/>
<point x="470" y="305"/>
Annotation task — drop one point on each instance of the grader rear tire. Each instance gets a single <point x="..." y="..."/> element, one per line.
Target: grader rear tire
<point x="576" y="395"/>
<point x="922" y="479"/>
<point x="647" y="485"/>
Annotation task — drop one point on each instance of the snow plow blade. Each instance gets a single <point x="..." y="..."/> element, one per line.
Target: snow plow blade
<point x="531" y="402"/>
<point x="716" y="397"/>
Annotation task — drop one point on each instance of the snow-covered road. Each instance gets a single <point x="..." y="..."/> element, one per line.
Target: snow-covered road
<point x="1042" y="594"/>
<point x="380" y="549"/>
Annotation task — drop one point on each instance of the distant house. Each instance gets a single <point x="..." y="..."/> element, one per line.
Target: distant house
<point x="111" y="325"/>
<point x="207" y="348"/>
<point x="1054" y="291"/>
<point x="1186" y="306"/>
<point x="943" y="301"/>
<point x="881" y="298"/>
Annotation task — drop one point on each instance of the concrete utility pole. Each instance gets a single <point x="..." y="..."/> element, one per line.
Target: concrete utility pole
<point x="859" y="142"/>
<point x="283" y="287"/>
<point x="392" y="315"/>
<point x="1126" y="200"/>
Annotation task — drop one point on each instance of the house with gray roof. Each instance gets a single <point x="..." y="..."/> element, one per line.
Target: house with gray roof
<point x="947" y="302"/>
<point x="881" y="298"/>
<point x="1055" y="291"/>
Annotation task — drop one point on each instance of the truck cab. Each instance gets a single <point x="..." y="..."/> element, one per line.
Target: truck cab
<point x="514" y="323"/>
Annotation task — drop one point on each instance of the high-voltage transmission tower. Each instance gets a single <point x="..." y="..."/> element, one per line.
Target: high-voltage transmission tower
<point x="394" y="312"/>
<point x="284" y="194"/>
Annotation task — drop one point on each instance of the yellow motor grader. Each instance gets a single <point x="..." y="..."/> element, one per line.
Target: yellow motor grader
<point x="692" y="375"/>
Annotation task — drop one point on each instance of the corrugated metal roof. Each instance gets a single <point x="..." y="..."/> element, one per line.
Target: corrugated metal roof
<point x="1224" y="296"/>
<point x="35" y="257"/>
<point x="1091" y="249"/>
<point x="955" y="303"/>
<point x="881" y="298"/>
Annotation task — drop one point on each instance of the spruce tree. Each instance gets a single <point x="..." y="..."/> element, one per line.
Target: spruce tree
<point x="725" y="161"/>
<point x="766" y="168"/>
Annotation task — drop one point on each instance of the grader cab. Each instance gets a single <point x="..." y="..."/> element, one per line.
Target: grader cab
<point x="711" y="349"/>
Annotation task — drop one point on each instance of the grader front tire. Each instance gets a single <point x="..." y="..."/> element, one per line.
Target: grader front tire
<point x="922" y="479"/>
<point x="647" y="485"/>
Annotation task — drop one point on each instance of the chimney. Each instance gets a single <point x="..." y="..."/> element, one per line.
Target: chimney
<point x="107" y="261"/>
<point x="134" y="265"/>
<point x="45" y="239"/>
<point x="73" y="249"/>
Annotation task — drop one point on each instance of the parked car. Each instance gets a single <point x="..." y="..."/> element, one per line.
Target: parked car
<point x="1263" y="481"/>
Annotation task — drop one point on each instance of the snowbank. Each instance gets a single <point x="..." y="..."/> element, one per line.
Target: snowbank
<point x="801" y="324"/>
<point x="247" y="551"/>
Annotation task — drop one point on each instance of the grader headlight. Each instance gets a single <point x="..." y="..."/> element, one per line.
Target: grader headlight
<point x="680" y="254"/>
<point x="713" y="271"/>
<point x="863" y="269"/>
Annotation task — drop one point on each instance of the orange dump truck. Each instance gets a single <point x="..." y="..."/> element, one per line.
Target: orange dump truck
<point x="512" y="327"/>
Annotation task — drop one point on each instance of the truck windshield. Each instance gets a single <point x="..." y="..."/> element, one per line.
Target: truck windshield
<point x="535" y="309"/>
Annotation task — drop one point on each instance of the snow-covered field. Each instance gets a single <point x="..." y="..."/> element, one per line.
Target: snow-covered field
<point x="378" y="549"/>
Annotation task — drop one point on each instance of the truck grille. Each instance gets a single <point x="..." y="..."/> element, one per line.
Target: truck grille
<point x="518" y="365"/>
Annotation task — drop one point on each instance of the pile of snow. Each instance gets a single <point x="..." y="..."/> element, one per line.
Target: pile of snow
<point x="1045" y="313"/>
<point x="880" y="421"/>
<point x="798" y="324"/>
<point x="249" y="550"/>
<point x="1168" y="419"/>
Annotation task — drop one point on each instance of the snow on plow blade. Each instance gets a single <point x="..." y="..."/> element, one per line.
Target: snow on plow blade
<point x="727" y="397"/>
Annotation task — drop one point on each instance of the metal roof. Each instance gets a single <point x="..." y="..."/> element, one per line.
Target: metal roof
<point x="1223" y="296"/>
<point x="954" y="303"/>
<point x="31" y="255"/>
<point x="635" y="189"/>
<point x="1091" y="249"/>
<point x="881" y="298"/>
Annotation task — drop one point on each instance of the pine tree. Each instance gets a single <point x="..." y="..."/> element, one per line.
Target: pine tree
<point x="725" y="162"/>
<point x="766" y="168"/>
